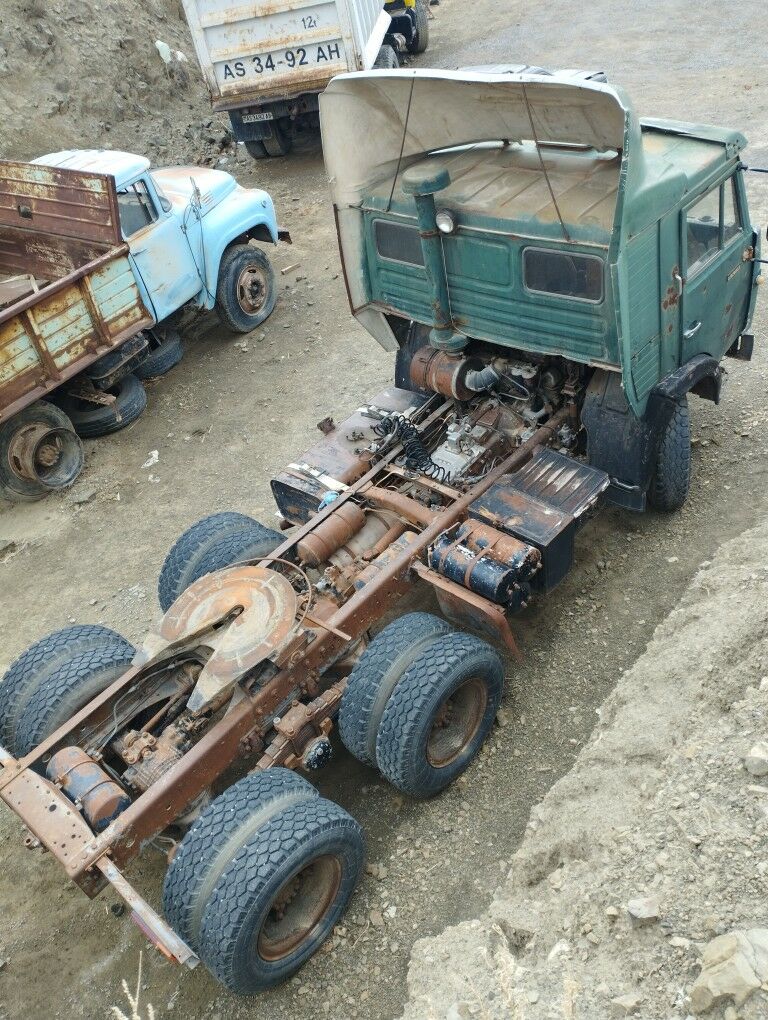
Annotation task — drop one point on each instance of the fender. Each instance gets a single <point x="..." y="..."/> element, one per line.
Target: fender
<point x="626" y="446"/>
<point x="242" y="216"/>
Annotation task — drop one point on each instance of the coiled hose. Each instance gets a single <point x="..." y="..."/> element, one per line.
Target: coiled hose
<point x="417" y="456"/>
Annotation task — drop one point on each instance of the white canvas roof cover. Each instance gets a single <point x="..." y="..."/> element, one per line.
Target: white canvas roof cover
<point x="363" y="117"/>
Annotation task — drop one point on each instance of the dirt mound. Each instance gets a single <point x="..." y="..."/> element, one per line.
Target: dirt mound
<point x="649" y="849"/>
<point x="89" y="75"/>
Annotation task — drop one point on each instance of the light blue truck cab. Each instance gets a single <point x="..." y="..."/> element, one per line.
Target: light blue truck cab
<point x="188" y="230"/>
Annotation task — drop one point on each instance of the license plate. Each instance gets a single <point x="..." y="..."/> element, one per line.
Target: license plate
<point x="327" y="54"/>
<point x="251" y="118"/>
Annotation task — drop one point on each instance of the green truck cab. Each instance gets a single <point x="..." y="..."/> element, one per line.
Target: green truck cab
<point x="534" y="215"/>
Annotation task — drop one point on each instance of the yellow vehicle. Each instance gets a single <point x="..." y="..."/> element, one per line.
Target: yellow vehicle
<point x="410" y="19"/>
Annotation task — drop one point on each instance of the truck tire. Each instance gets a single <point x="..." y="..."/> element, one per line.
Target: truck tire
<point x="671" y="479"/>
<point x="94" y="420"/>
<point x="285" y="888"/>
<point x="255" y="149"/>
<point x="246" y="291"/>
<point x="375" y="675"/>
<point x="34" y="666"/>
<point x="39" y="452"/>
<point x="68" y="688"/>
<point x="215" y="542"/>
<point x="420" y="38"/>
<point x="163" y="355"/>
<point x="214" y="838"/>
<point x="439" y="714"/>
<point x="387" y="59"/>
<point x="280" y="142"/>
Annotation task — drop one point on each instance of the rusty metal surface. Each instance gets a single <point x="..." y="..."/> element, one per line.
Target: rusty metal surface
<point x="329" y="536"/>
<point x="53" y="201"/>
<point x="277" y="714"/>
<point x="61" y="226"/>
<point x="339" y="458"/>
<point x="87" y="785"/>
<point x="467" y="609"/>
<point x="259" y="607"/>
<point x="544" y="498"/>
<point x="148" y="920"/>
<point x="52" y="819"/>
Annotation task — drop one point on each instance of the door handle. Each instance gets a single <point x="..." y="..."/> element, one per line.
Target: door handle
<point x="692" y="330"/>
<point x="679" y="281"/>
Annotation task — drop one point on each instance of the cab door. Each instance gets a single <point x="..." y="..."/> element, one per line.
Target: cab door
<point x="161" y="257"/>
<point x="716" y="276"/>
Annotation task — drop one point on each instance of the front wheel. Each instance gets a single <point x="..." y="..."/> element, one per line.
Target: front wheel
<point x="246" y="291"/>
<point x="671" y="480"/>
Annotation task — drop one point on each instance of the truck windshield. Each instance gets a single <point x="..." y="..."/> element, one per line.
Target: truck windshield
<point x="137" y="209"/>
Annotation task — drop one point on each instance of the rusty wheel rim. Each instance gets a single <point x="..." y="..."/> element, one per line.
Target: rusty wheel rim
<point x="456" y="722"/>
<point x="251" y="288"/>
<point x="299" y="908"/>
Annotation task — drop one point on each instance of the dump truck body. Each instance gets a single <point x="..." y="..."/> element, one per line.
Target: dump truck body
<point x="266" y="63"/>
<point x="60" y="239"/>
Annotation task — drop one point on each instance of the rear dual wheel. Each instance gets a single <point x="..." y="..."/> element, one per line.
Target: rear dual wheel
<point x="261" y="878"/>
<point x="420" y="703"/>
<point x="54" y="678"/>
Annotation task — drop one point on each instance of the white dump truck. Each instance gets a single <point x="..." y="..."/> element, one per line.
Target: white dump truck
<point x="265" y="63"/>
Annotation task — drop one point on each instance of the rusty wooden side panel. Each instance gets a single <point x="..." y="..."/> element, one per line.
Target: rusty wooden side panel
<point x="56" y="333"/>
<point x="50" y="201"/>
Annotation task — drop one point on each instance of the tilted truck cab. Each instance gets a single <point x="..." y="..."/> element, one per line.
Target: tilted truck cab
<point x="536" y="213"/>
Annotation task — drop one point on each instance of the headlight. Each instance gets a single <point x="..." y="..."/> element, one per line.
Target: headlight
<point x="446" y="221"/>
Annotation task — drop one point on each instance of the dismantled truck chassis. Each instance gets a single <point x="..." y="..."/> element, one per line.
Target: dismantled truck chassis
<point x="464" y="481"/>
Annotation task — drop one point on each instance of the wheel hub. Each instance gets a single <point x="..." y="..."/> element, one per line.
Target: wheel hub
<point x="456" y="722"/>
<point x="299" y="907"/>
<point x="49" y="456"/>
<point x="251" y="288"/>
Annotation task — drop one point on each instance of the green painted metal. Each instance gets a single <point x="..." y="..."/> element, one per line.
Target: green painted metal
<point x="632" y="208"/>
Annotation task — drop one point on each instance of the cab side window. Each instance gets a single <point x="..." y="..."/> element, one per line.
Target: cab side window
<point x="137" y="210"/>
<point x="711" y="223"/>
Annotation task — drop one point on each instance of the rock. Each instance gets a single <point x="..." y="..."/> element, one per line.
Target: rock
<point x="376" y="918"/>
<point x="81" y="495"/>
<point x="626" y="1005"/>
<point x="678" y="942"/>
<point x="756" y="762"/>
<point x="643" y="910"/>
<point x="734" y="966"/>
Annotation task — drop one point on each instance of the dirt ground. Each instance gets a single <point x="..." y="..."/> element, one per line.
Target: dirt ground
<point x="235" y="411"/>
<point x="647" y="858"/>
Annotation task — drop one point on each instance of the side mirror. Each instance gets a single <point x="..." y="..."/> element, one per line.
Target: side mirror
<point x="165" y="203"/>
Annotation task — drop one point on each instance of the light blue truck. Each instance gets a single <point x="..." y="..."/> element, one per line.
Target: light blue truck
<point x="99" y="256"/>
